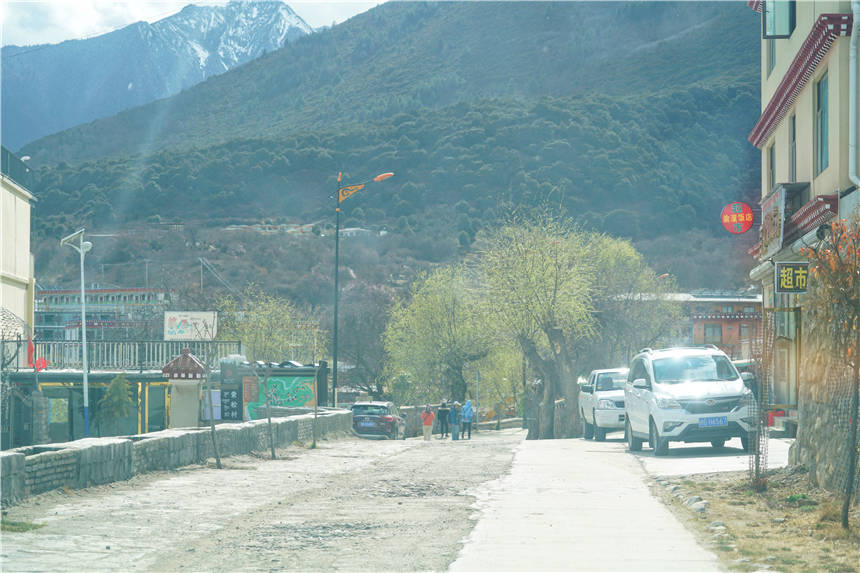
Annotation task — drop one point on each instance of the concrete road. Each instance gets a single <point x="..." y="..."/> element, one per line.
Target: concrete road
<point x="576" y="505"/>
<point x="685" y="459"/>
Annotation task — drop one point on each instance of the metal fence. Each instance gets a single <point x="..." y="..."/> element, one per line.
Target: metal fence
<point x="118" y="354"/>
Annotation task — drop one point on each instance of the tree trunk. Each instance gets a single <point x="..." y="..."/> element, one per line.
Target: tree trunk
<point x="458" y="384"/>
<point x="546" y="407"/>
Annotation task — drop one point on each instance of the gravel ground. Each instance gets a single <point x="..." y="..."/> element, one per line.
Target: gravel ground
<point x="350" y="504"/>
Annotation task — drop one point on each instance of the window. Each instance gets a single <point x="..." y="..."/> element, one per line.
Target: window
<point x="792" y="150"/>
<point x="713" y="334"/>
<point x="726" y="309"/>
<point x="744" y="333"/>
<point x="694" y="368"/>
<point x="771" y="167"/>
<point x="771" y="55"/>
<point x="639" y="371"/>
<point x="749" y="310"/>
<point x="821" y="151"/>
<point x="777" y="18"/>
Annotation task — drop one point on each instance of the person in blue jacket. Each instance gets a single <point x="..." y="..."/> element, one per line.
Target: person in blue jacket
<point x="468" y="416"/>
<point x="454" y="419"/>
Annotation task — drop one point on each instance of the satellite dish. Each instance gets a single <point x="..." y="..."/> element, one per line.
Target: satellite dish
<point x="823" y="232"/>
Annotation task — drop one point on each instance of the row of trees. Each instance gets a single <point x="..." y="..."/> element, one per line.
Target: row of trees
<point x="541" y="292"/>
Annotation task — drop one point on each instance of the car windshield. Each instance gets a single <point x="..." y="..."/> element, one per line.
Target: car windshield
<point x="611" y="381"/>
<point x="369" y="410"/>
<point x="697" y="368"/>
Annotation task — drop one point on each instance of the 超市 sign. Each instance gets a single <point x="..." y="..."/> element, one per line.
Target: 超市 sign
<point x="790" y="277"/>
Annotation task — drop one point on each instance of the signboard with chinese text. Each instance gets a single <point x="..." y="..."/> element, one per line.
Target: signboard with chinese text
<point x="231" y="403"/>
<point x="791" y="277"/>
<point x="187" y="325"/>
<point x="737" y="217"/>
<point x="772" y="219"/>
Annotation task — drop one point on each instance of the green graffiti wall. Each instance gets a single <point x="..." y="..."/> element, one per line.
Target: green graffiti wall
<point x="297" y="391"/>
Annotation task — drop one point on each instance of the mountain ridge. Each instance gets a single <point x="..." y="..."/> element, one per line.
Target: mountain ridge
<point x="51" y="87"/>
<point x="403" y="56"/>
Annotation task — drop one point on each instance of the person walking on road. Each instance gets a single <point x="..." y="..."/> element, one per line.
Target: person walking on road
<point x="454" y="421"/>
<point x="443" y="412"/>
<point x="468" y="415"/>
<point x="427" y="417"/>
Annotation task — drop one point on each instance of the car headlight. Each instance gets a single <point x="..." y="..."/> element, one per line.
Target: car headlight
<point x="605" y="404"/>
<point x="667" y="403"/>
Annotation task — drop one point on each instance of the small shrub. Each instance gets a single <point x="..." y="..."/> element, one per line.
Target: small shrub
<point x="830" y="512"/>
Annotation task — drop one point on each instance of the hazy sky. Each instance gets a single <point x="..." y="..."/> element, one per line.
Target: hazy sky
<point x="28" y="22"/>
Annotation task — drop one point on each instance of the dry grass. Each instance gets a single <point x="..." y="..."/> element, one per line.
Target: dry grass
<point x="791" y="527"/>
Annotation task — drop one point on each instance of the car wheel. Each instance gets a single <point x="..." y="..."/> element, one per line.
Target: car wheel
<point x="718" y="443"/>
<point x="599" y="433"/>
<point x="589" y="429"/>
<point x="634" y="444"/>
<point x="394" y="435"/>
<point x="659" y="445"/>
<point x="403" y="434"/>
<point x="745" y="443"/>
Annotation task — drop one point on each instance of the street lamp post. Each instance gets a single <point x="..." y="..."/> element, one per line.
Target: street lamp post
<point x="342" y="194"/>
<point x="82" y="248"/>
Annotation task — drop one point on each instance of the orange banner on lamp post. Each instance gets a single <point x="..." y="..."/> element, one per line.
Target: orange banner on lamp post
<point x="346" y="192"/>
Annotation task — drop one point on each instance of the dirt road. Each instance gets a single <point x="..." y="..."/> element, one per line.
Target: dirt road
<point x="349" y="505"/>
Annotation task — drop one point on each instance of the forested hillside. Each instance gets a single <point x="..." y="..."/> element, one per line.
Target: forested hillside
<point x="630" y="118"/>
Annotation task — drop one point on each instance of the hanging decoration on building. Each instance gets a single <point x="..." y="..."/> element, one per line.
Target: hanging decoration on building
<point x="737" y="217"/>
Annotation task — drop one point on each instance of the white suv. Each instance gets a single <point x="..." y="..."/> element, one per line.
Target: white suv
<point x="686" y="395"/>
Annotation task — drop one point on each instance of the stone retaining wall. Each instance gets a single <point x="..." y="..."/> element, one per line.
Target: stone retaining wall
<point x="35" y="469"/>
<point x="822" y="445"/>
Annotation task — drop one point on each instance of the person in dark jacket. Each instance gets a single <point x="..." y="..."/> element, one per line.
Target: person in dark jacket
<point x="442" y="414"/>
<point x="454" y="420"/>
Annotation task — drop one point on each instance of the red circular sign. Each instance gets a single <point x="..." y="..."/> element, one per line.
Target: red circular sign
<point x="737" y="217"/>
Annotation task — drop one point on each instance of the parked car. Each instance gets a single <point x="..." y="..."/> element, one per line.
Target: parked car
<point x="686" y="395"/>
<point x="601" y="402"/>
<point x="380" y="419"/>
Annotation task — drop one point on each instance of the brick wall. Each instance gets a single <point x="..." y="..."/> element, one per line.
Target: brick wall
<point x="91" y="461"/>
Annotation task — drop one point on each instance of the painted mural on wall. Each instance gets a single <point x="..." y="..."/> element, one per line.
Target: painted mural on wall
<point x="296" y="391"/>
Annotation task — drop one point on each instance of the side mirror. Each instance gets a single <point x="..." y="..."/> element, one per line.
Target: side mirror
<point x="641" y="383"/>
<point x="748" y="378"/>
<point x="586" y="389"/>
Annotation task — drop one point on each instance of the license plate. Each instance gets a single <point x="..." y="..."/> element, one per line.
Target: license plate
<point x="713" y="422"/>
<point x="367" y="424"/>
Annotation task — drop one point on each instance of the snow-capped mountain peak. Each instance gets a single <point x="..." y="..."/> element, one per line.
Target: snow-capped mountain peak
<point x="135" y="65"/>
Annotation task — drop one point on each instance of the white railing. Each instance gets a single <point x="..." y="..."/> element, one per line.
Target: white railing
<point x="120" y="354"/>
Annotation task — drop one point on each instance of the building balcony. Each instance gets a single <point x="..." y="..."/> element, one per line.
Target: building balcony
<point x="795" y="223"/>
<point x="726" y="316"/>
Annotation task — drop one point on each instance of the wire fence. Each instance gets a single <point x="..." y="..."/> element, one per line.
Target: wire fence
<point x="759" y="403"/>
<point x="834" y="407"/>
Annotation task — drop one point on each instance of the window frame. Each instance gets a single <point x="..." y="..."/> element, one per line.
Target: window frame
<point x="822" y="119"/>
<point x="771" y="167"/>
<point x="709" y="339"/>
<point x="792" y="20"/>
<point x="792" y="148"/>
<point x="771" y="55"/>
